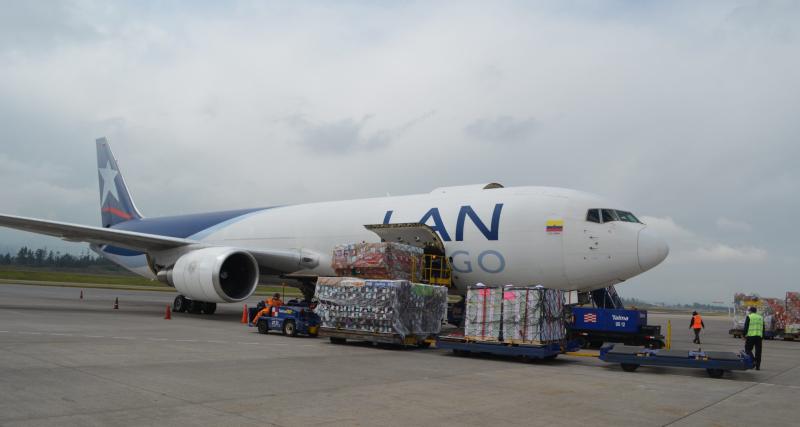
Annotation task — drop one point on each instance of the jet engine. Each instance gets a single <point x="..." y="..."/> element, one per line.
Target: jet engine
<point x="215" y="274"/>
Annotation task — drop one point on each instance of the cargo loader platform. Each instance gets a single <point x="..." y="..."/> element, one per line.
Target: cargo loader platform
<point x="714" y="362"/>
<point x="461" y="346"/>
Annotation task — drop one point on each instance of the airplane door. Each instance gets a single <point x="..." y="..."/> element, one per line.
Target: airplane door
<point x="585" y="254"/>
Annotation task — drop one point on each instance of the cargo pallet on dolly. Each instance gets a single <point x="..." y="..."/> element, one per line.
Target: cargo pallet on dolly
<point x="463" y="346"/>
<point x="341" y="336"/>
<point x="714" y="362"/>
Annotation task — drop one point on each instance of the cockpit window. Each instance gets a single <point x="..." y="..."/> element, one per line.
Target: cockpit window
<point x="609" y="215"/>
<point x="627" y="217"/>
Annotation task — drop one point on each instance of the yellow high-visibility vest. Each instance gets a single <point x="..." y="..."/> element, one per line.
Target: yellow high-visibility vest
<point x="756" y="326"/>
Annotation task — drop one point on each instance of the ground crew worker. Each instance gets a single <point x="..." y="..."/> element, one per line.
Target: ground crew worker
<point x="275" y="301"/>
<point x="272" y="303"/>
<point x="697" y="324"/>
<point x="753" y="335"/>
<point x="263" y="312"/>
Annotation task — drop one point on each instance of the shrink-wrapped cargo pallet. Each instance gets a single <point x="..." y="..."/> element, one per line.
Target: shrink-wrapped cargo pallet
<point x="386" y="260"/>
<point x="533" y="315"/>
<point x="775" y="310"/>
<point x="483" y="313"/>
<point x="793" y="310"/>
<point x="380" y="306"/>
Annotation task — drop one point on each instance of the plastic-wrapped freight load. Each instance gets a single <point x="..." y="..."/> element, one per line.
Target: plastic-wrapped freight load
<point x="793" y="309"/>
<point x="483" y="317"/>
<point x="775" y="309"/>
<point x="533" y="315"/>
<point x="381" y="306"/>
<point x="386" y="260"/>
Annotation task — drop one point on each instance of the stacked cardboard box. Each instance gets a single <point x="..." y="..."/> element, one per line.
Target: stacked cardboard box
<point x="793" y="310"/>
<point x="484" y="313"/>
<point x="518" y="315"/>
<point x="387" y="260"/>
<point x="381" y="306"/>
<point x="533" y="315"/>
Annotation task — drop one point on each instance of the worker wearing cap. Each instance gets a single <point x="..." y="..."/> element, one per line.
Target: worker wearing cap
<point x="275" y="301"/>
<point x="697" y="325"/>
<point x="753" y="335"/>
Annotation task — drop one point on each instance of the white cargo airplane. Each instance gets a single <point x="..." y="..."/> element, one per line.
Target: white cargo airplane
<point x="559" y="238"/>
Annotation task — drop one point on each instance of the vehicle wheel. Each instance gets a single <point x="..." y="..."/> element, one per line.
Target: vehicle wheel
<point x="657" y="345"/>
<point x="179" y="305"/>
<point x="424" y="344"/>
<point x="209" y="307"/>
<point x="262" y="327"/>
<point x="289" y="328"/>
<point x="715" y="373"/>
<point x="629" y="367"/>
<point x="195" y="307"/>
<point x="337" y="340"/>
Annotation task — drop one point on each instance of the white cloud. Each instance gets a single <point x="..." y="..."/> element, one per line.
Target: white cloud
<point x="726" y="224"/>
<point x="727" y="254"/>
<point x="689" y="247"/>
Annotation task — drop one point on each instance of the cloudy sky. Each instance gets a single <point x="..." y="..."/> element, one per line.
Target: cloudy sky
<point x="686" y="112"/>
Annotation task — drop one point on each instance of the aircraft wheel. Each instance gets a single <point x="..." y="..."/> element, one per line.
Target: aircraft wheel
<point x="289" y="328"/>
<point x="179" y="305"/>
<point x="629" y="367"/>
<point x="196" y="307"/>
<point x="209" y="307"/>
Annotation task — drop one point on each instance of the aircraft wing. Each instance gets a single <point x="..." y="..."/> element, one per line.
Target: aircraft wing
<point x="98" y="235"/>
<point x="276" y="260"/>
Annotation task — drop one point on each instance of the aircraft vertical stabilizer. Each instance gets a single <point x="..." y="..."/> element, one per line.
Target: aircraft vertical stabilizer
<point x="116" y="204"/>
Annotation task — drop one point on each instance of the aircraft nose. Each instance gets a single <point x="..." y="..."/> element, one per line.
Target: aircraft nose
<point x="652" y="249"/>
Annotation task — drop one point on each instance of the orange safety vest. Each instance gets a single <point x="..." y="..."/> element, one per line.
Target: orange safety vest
<point x="697" y="323"/>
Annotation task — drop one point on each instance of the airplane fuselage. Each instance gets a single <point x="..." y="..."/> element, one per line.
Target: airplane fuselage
<point x="495" y="236"/>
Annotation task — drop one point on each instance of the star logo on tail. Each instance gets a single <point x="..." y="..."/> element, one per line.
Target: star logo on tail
<point x="109" y="186"/>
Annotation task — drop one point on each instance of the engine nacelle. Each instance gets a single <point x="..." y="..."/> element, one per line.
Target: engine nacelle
<point x="214" y="275"/>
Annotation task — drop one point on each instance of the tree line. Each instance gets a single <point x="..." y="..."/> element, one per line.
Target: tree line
<point x="43" y="257"/>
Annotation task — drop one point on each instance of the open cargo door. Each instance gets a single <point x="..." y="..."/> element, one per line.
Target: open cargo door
<point x="410" y="233"/>
<point x="437" y="270"/>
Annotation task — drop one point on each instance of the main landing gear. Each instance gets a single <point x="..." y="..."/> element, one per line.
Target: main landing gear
<point x="182" y="304"/>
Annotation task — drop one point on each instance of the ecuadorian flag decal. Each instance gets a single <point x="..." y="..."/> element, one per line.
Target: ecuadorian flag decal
<point x="554" y="225"/>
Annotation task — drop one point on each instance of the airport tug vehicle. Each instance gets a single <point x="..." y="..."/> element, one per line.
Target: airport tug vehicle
<point x="714" y="362"/>
<point x="291" y="319"/>
<point x="592" y="327"/>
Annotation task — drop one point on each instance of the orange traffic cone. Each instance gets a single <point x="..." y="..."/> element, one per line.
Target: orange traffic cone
<point x="168" y="313"/>
<point x="116" y="303"/>
<point x="244" y="314"/>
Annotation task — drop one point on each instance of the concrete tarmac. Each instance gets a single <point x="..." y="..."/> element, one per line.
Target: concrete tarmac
<point x="64" y="361"/>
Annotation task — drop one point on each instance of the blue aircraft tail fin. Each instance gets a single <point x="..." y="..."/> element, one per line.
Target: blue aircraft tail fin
<point x="116" y="204"/>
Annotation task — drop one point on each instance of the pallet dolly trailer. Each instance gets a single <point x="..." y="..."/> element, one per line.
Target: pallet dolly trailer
<point x="341" y="336"/>
<point x="714" y="362"/>
<point x="462" y="347"/>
